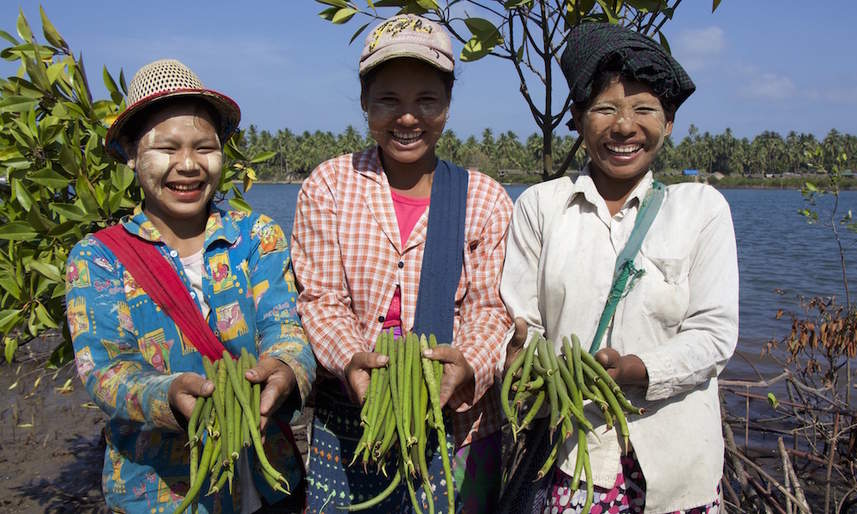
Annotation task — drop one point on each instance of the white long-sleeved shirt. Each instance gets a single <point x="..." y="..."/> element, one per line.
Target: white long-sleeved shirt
<point x="680" y="318"/>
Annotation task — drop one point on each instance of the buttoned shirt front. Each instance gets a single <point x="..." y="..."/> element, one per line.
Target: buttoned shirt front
<point x="128" y="351"/>
<point x="680" y="318"/>
<point x="349" y="259"/>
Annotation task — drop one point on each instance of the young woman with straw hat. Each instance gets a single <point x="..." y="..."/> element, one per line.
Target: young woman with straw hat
<point x="232" y="268"/>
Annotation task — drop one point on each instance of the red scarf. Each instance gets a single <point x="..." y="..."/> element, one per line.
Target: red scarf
<point x="159" y="279"/>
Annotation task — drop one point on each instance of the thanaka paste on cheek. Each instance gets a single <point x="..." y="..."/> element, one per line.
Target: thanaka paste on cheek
<point x="152" y="167"/>
<point x="215" y="162"/>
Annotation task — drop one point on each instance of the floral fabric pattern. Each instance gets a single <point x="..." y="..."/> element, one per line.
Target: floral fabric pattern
<point x="128" y="351"/>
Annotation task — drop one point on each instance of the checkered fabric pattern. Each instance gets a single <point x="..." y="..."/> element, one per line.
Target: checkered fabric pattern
<point x="348" y="259"/>
<point x="591" y="46"/>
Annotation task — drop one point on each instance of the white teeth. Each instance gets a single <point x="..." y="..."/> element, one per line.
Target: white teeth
<point x="184" y="187"/>
<point x="625" y="149"/>
<point x="406" y="137"/>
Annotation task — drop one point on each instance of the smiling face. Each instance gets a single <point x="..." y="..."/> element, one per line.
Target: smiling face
<point x="623" y="127"/>
<point x="178" y="162"/>
<point x="406" y="104"/>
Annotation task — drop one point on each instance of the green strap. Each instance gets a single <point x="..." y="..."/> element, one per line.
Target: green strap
<point x="625" y="269"/>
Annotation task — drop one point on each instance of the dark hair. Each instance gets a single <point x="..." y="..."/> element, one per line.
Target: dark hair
<point x="611" y="70"/>
<point x="133" y="129"/>
<point x="366" y="81"/>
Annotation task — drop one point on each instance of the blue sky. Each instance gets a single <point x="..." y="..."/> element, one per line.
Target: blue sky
<point x="758" y="64"/>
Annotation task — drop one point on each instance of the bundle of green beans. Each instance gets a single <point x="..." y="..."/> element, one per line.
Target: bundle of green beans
<point x="402" y="403"/>
<point x="565" y="381"/>
<point x="221" y="425"/>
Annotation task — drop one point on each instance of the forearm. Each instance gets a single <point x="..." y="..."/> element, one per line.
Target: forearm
<point x="333" y="330"/>
<point x="480" y="339"/>
<point x="126" y="391"/>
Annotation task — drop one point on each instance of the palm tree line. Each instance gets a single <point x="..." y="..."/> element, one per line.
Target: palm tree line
<point x="506" y="156"/>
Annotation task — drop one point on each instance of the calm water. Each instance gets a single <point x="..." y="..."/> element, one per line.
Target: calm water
<point x="777" y="251"/>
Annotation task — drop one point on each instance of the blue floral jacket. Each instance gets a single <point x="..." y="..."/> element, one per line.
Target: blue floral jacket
<point x="128" y="352"/>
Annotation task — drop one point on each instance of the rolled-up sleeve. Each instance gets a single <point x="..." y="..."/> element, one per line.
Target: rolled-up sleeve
<point x="279" y="327"/>
<point x="324" y="301"/>
<point x="519" y="286"/>
<point x="114" y="372"/>
<point x="484" y="320"/>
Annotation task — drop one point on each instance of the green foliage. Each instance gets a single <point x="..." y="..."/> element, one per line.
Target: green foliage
<point x="529" y="34"/>
<point x="57" y="182"/>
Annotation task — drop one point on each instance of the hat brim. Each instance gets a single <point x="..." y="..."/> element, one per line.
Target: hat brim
<point x="408" y="50"/>
<point x="227" y="108"/>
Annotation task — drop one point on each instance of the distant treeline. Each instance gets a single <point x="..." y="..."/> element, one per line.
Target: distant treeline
<point x="504" y="155"/>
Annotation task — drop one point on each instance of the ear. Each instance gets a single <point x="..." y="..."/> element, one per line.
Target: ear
<point x="668" y="125"/>
<point x="577" y="119"/>
<point x="131" y="151"/>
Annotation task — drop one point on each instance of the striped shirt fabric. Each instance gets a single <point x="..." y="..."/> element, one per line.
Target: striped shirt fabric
<point x="349" y="258"/>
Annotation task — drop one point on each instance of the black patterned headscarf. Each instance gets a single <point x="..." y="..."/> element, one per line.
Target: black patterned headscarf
<point x="595" y="47"/>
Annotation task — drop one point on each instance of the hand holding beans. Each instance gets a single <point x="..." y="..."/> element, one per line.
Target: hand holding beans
<point x="358" y="370"/>
<point x="624" y="369"/>
<point x="184" y="391"/>
<point x="516" y="344"/>
<point x="457" y="372"/>
<point x="278" y="381"/>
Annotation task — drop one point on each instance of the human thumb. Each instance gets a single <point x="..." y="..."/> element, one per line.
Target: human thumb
<point x="520" y="335"/>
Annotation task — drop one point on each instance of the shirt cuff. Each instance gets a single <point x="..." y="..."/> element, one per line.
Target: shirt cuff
<point x="483" y="377"/>
<point x="161" y="413"/>
<point x="660" y="370"/>
<point x="301" y="376"/>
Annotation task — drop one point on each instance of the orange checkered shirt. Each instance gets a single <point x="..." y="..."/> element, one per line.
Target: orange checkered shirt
<point x="348" y="260"/>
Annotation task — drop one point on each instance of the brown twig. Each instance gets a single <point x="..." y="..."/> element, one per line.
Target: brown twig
<point x="792" y="477"/>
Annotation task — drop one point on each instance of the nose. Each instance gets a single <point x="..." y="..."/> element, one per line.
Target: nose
<point x="186" y="161"/>
<point x="407" y="116"/>
<point x="624" y="124"/>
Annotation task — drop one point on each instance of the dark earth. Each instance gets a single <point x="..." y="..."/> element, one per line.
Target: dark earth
<point x="51" y="447"/>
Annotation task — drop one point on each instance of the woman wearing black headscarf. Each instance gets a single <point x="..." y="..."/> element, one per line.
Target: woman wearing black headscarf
<point x="670" y="328"/>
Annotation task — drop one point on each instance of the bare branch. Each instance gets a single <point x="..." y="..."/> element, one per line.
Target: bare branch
<point x="556" y="120"/>
<point x="537" y="116"/>
<point x="664" y="19"/>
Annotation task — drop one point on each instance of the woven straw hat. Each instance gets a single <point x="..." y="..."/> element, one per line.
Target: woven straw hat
<point x="168" y="78"/>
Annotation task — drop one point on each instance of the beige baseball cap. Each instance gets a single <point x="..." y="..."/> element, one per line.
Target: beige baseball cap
<point x="407" y="35"/>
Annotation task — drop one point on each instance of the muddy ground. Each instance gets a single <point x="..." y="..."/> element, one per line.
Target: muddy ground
<point x="51" y="448"/>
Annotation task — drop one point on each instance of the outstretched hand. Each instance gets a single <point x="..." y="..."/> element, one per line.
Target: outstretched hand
<point x="625" y="369"/>
<point x="277" y="380"/>
<point x="358" y="372"/>
<point x="516" y="344"/>
<point x="184" y="391"/>
<point x="457" y="373"/>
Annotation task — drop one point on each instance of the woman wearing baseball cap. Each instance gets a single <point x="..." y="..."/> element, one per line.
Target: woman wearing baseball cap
<point x="134" y="350"/>
<point x="392" y="238"/>
<point x="645" y="274"/>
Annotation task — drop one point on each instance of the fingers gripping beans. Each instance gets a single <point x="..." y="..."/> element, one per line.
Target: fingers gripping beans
<point x="218" y="427"/>
<point x="401" y="406"/>
<point x="564" y="381"/>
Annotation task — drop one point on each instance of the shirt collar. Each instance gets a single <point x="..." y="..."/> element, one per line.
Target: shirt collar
<point x="368" y="163"/>
<point x="585" y="186"/>
<point x="219" y="226"/>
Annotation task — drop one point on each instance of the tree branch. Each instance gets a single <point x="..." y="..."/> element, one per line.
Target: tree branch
<point x="537" y="116"/>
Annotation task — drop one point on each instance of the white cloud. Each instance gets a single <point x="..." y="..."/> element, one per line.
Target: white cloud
<point x="698" y="47"/>
<point x="834" y="95"/>
<point x="769" y="86"/>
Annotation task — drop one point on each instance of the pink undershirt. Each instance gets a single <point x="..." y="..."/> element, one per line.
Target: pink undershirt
<point x="408" y="213"/>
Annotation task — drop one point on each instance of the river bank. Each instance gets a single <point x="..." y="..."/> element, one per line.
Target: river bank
<point x="726" y="182"/>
